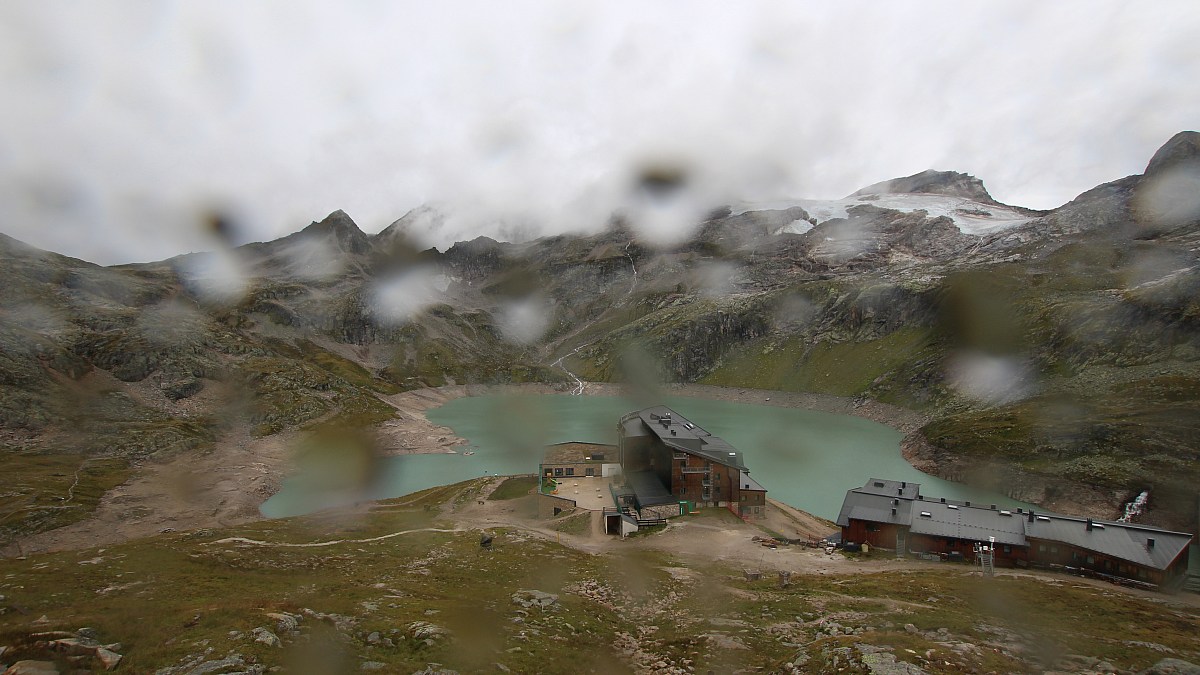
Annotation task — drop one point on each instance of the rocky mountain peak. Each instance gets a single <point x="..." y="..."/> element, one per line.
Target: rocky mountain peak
<point x="1182" y="150"/>
<point x="342" y="229"/>
<point x="950" y="183"/>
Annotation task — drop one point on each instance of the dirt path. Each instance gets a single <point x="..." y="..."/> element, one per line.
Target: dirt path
<point x="715" y="536"/>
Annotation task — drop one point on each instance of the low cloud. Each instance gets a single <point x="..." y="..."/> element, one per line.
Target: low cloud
<point x="124" y="121"/>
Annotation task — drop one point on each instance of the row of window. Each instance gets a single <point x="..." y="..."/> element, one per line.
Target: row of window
<point x="683" y="491"/>
<point x="570" y="471"/>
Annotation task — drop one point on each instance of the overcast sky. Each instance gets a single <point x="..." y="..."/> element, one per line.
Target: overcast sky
<point x="121" y="123"/>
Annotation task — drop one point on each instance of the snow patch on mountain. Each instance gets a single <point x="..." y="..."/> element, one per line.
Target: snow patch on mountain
<point x="971" y="217"/>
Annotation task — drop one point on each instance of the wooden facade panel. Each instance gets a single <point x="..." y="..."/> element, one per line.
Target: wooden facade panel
<point x="882" y="535"/>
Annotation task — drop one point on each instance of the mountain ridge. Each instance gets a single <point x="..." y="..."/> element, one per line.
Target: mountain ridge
<point x="1090" y="308"/>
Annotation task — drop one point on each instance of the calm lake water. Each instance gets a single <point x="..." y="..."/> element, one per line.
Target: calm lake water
<point x="804" y="458"/>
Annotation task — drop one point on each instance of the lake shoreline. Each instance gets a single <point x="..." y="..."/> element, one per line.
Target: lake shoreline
<point x="412" y="432"/>
<point x="227" y="492"/>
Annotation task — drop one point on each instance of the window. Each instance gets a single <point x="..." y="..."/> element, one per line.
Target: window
<point x="1054" y="549"/>
<point x="1041" y="548"/>
<point x="1091" y="560"/>
<point x="1008" y="549"/>
<point x="591" y="471"/>
<point x="682" y="490"/>
<point x="570" y="471"/>
<point x="558" y="471"/>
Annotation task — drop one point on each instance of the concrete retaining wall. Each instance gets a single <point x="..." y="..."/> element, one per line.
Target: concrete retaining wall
<point x="547" y="504"/>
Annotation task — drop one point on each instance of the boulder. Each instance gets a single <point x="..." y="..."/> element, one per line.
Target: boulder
<point x="285" y="623"/>
<point x="110" y="659"/>
<point x="32" y="668"/>
<point x="266" y="637"/>
<point x="1172" y="667"/>
<point x="533" y="598"/>
<point x="425" y="631"/>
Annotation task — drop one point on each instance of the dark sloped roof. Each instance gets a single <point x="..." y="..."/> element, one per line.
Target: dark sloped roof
<point x="632" y="425"/>
<point x="681" y="434"/>
<point x="874" y="508"/>
<point x="891" y="488"/>
<point x="648" y="489"/>
<point x="745" y="482"/>
<point x="1119" y="540"/>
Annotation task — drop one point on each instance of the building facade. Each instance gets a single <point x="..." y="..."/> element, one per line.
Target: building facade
<point x="895" y="515"/>
<point x="579" y="460"/>
<point x="668" y="459"/>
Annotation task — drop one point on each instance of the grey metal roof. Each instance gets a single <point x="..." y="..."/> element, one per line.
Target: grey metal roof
<point x="877" y="508"/>
<point x="745" y="482"/>
<point x="1125" y="541"/>
<point x="967" y="522"/>
<point x="891" y="488"/>
<point x="681" y="434"/>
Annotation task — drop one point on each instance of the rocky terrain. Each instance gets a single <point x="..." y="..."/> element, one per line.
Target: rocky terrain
<point x="1053" y="354"/>
<point x="404" y="586"/>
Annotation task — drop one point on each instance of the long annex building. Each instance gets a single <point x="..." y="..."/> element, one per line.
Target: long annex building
<point x="668" y="460"/>
<point x="896" y="515"/>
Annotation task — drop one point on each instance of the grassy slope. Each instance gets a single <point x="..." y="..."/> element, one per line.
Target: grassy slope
<point x="169" y="597"/>
<point x="841" y="369"/>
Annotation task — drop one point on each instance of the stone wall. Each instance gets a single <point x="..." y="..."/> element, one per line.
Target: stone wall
<point x="660" y="511"/>
<point x="547" y="504"/>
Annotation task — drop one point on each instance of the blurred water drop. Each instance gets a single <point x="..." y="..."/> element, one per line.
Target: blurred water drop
<point x="988" y="378"/>
<point x="1169" y="199"/>
<point x="521" y="425"/>
<point x="665" y="209"/>
<point x="400" y="297"/>
<point x="524" y="321"/>
<point x="221" y="226"/>
<point x="215" y="278"/>
<point x="313" y="259"/>
<point x="715" y="278"/>
<point x="795" y="311"/>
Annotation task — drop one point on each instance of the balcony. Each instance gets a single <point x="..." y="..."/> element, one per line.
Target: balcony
<point x="695" y="469"/>
<point x="706" y="483"/>
<point x="680" y="455"/>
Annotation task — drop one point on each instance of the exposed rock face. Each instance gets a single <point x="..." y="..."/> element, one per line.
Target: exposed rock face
<point x="1182" y="151"/>
<point x="1172" y="667"/>
<point x="950" y="183"/>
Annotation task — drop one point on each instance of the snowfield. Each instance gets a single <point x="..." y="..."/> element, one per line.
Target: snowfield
<point x="971" y="217"/>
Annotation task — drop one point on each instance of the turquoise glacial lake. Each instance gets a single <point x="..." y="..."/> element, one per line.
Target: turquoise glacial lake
<point x="805" y="458"/>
